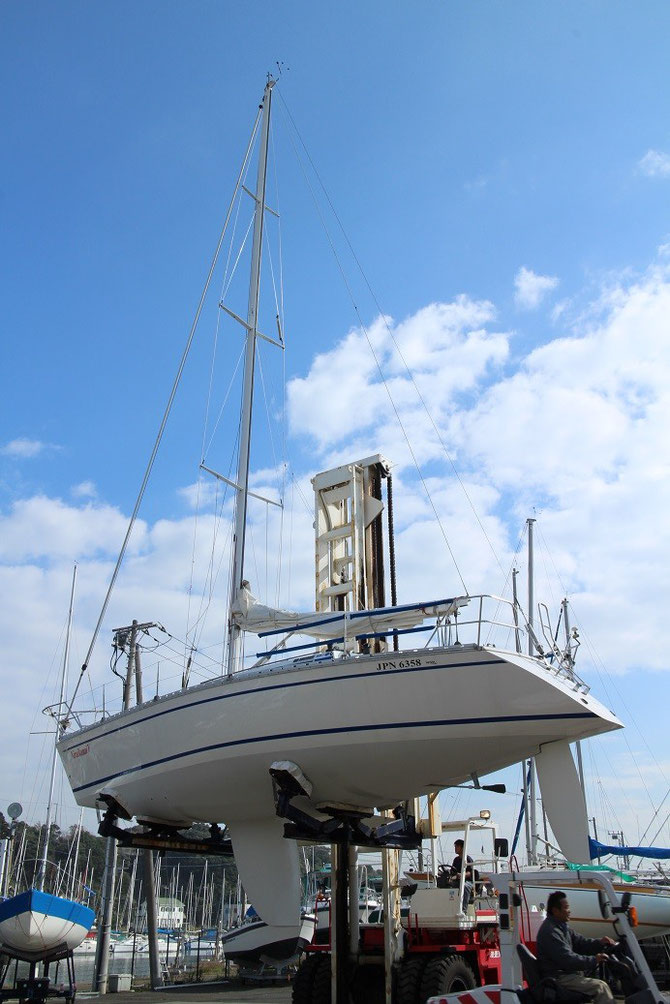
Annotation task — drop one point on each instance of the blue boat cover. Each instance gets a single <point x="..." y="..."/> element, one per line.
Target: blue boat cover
<point x="43" y="902"/>
<point x="598" y="850"/>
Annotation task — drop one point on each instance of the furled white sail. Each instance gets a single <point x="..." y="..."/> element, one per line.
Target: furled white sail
<point x="250" y="615"/>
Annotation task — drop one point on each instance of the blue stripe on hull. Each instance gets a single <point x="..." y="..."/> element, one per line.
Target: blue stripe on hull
<point x="136" y="720"/>
<point x="493" y="720"/>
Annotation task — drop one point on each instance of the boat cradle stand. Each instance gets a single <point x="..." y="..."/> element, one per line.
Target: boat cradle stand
<point x="346" y="828"/>
<point x="161" y="838"/>
<point x="33" y="988"/>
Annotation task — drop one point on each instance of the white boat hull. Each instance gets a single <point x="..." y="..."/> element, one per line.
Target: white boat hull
<point x="35" y="925"/>
<point x="652" y="905"/>
<point x="366" y="731"/>
<point x="260" y="942"/>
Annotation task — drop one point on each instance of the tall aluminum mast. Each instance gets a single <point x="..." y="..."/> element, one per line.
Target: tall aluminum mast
<point x="235" y="639"/>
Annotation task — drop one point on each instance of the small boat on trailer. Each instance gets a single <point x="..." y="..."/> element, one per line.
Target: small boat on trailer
<point x="41" y="930"/>
<point x="34" y="924"/>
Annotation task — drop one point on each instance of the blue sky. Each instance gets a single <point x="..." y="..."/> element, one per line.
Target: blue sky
<point x="502" y="172"/>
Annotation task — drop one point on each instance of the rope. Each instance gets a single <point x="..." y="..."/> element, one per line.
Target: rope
<point x="166" y="415"/>
<point x="372" y="350"/>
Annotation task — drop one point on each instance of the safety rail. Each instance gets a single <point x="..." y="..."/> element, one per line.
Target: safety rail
<point x="480" y="620"/>
<point x="494" y="621"/>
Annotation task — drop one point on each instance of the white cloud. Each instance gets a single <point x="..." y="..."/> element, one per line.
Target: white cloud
<point x="24" y="448"/>
<point x="655" y="164"/>
<point x="577" y="427"/>
<point x="447" y="349"/>
<point x="46" y="529"/>
<point x="530" y="288"/>
<point x="86" y="489"/>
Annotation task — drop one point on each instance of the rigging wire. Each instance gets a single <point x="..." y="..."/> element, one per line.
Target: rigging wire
<point x="397" y="348"/>
<point x="602" y="673"/>
<point x="366" y="332"/>
<point x="203" y="448"/>
<point x="166" y="414"/>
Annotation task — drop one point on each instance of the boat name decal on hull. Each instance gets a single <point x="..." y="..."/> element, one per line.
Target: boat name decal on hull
<point x="402" y="664"/>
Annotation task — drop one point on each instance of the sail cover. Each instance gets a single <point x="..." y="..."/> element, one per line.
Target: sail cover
<point x="599" y="850"/>
<point x="250" y="615"/>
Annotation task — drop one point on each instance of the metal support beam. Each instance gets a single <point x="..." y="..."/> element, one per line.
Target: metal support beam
<point x="345" y="829"/>
<point x="101" y="969"/>
<point x="152" y="920"/>
<point x="391" y="902"/>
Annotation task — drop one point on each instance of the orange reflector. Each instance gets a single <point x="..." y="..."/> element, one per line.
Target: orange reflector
<point x="632" y="916"/>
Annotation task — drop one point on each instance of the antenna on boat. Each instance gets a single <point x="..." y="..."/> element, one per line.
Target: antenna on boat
<point x="235" y="635"/>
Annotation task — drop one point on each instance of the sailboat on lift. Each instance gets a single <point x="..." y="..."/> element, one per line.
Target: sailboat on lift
<point x="35" y="925"/>
<point x="344" y="694"/>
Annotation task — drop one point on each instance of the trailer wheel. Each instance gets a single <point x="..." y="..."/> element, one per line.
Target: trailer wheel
<point x="321" y="984"/>
<point x="446" y="975"/>
<point x="304" y="978"/>
<point x="410" y="974"/>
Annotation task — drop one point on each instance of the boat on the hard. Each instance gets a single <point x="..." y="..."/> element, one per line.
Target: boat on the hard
<point x="367" y="722"/>
<point x="36" y="925"/>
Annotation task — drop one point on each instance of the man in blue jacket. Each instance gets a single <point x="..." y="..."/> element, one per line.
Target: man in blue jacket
<point x="569" y="958"/>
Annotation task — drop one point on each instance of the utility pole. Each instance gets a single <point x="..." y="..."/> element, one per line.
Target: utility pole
<point x="125" y="640"/>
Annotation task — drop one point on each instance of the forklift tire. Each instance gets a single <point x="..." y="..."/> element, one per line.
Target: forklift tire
<point x="303" y="982"/>
<point x="410" y="974"/>
<point x="448" y="974"/>
<point x="321" y="984"/>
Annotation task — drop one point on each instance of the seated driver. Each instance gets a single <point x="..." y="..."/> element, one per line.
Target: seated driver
<point x="567" y="957"/>
<point x="470" y="874"/>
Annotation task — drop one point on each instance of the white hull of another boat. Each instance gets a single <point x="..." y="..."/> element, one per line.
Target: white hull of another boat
<point x="35" y="925"/>
<point x="125" y="948"/>
<point x="365" y="730"/>
<point x="89" y="946"/>
<point x="652" y="906"/>
<point x="260" y="942"/>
